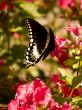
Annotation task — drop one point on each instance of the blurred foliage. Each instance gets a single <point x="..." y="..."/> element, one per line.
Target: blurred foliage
<point x="14" y="40"/>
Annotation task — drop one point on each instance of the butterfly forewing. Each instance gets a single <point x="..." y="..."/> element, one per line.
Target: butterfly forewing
<point x="38" y="34"/>
<point x="39" y="42"/>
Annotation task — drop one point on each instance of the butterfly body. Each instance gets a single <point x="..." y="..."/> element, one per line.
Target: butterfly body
<point x="41" y="42"/>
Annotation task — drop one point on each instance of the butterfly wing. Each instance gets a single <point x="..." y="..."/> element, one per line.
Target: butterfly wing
<point x="50" y="46"/>
<point x="39" y="42"/>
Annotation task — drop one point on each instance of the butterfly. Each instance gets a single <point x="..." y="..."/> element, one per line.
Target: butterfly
<point x="41" y="42"/>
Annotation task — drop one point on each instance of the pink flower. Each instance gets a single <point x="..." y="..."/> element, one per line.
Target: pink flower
<point x="61" y="54"/>
<point x="4" y="5"/>
<point x="42" y="94"/>
<point x="64" y="46"/>
<point x="64" y="4"/>
<point x="56" y="79"/>
<point x="63" y="87"/>
<point x="66" y="106"/>
<point x="66" y="90"/>
<point x="81" y="4"/>
<point x="30" y="96"/>
<point x="16" y="35"/>
<point x="13" y="105"/>
<point x="62" y="42"/>
<point x="61" y="49"/>
<point x="54" y="106"/>
<point x="75" y="29"/>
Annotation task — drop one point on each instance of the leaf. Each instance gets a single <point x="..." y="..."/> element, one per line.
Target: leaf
<point x="77" y="101"/>
<point x="59" y="99"/>
<point x="75" y="66"/>
<point x="80" y="103"/>
<point x="70" y="62"/>
<point x="1" y="40"/>
<point x="67" y="75"/>
<point x="16" y="29"/>
<point x="76" y="80"/>
<point x="2" y="52"/>
<point x="16" y="54"/>
<point x="30" y="8"/>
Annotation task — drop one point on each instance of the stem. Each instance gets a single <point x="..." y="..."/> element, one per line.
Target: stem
<point x="78" y="68"/>
<point x="6" y="26"/>
<point x="71" y="93"/>
<point x="77" y="75"/>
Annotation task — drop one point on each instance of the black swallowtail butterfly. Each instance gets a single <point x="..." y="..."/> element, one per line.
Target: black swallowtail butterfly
<point x="41" y="42"/>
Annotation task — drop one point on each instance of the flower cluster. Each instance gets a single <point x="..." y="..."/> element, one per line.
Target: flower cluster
<point x="66" y="48"/>
<point x="64" y="4"/>
<point x="4" y="5"/>
<point x="63" y="87"/>
<point x="61" y="50"/>
<point x="33" y="96"/>
<point x="71" y="8"/>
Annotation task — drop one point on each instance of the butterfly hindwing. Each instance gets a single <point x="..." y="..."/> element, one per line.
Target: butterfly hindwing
<point x="41" y="42"/>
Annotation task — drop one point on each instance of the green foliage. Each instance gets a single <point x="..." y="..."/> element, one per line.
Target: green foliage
<point x="76" y="81"/>
<point x="67" y="75"/>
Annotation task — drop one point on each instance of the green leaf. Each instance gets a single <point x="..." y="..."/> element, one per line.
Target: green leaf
<point x="76" y="80"/>
<point x="77" y="101"/>
<point x="2" y="52"/>
<point x="67" y="75"/>
<point x="80" y="103"/>
<point x="70" y="62"/>
<point x="16" y="29"/>
<point x="1" y="40"/>
<point x="30" y="8"/>
<point x="77" y="65"/>
<point x="0" y="1"/>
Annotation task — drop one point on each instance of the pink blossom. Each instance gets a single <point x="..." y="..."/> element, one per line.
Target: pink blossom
<point x="42" y="94"/>
<point x="16" y="35"/>
<point x="4" y="5"/>
<point x="61" y="54"/>
<point x="66" y="106"/>
<point x="63" y="45"/>
<point x="54" y="106"/>
<point x="56" y="79"/>
<point x="62" y="42"/>
<point x="30" y="96"/>
<point x="75" y="29"/>
<point x="81" y="4"/>
<point x="61" y="50"/>
<point x="66" y="90"/>
<point x="64" y="4"/>
<point x="13" y="105"/>
<point x="63" y="87"/>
